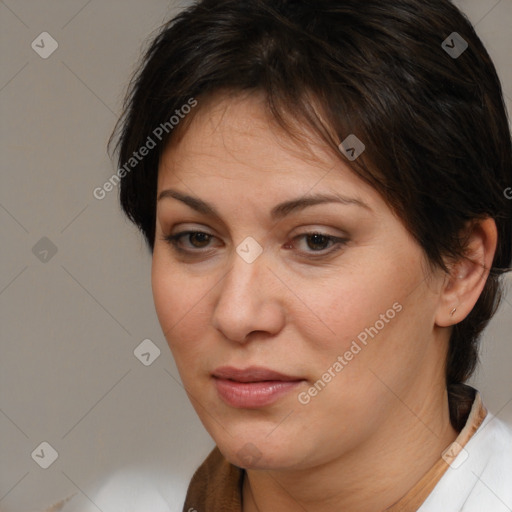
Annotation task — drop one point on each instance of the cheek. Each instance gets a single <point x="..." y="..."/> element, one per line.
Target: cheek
<point x="369" y="318"/>
<point x="347" y="307"/>
<point x="180" y="304"/>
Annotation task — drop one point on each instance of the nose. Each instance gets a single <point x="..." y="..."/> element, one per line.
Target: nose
<point x="249" y="301"/>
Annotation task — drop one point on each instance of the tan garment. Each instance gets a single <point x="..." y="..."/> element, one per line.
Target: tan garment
<point x="217" y="485"/>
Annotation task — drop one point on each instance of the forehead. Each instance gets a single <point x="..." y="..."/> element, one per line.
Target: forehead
<point x="234" y="137"/>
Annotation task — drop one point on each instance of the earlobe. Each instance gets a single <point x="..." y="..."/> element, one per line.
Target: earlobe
<point x="468" y="276"/>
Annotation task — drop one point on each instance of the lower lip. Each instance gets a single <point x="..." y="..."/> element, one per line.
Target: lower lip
<point x="252" y="395"/>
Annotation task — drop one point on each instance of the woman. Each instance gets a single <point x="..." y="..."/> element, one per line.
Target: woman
<point x="322" y="185"/>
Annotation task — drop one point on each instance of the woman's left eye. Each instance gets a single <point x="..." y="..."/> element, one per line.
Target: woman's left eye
<point x="318" y="243"/>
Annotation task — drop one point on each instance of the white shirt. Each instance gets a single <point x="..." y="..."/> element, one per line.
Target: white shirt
<point x="480" y="477"/>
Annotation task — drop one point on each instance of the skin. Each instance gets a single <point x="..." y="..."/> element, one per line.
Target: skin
<point x="293" y="313"/>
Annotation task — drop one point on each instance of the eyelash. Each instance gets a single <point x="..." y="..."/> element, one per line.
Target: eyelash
<point x="173" y="241"/>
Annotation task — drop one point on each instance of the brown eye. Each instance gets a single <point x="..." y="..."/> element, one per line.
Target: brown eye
<point x="196" y="239"/>
<point x="319" y="245"/>
<point x="199" y="240"/>
<point x="316" y="240"/>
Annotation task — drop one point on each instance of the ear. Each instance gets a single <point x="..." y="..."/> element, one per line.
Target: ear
<point x="468" y="276"/>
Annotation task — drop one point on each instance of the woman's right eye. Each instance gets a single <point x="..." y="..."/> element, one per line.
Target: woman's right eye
<point x="196" y="239"/>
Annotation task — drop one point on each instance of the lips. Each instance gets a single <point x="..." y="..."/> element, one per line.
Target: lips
<point x="252" y="387"/>
<point x="252" y="374"/>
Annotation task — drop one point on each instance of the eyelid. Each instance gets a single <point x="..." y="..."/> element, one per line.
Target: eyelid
<point x="337" y="243"/>
<point x="174" y="239"/>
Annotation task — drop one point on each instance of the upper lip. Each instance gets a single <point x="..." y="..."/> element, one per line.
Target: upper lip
<point x="251" y="374"/>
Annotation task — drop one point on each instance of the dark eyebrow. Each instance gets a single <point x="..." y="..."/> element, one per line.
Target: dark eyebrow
<point x="278" y="212"/>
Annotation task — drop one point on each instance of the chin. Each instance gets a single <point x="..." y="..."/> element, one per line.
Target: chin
<point x="258" y="452"/>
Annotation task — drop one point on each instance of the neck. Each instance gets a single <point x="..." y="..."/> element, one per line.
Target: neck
<point x="370" y="477"/>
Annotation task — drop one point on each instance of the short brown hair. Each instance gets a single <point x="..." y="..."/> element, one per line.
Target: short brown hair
<point x="438" y="145"/>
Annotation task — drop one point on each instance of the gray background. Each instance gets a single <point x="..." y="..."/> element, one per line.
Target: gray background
<point x="70" y="324"/>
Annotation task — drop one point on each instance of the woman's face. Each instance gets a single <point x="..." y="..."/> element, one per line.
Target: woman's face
<point x="333" y="296"/>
